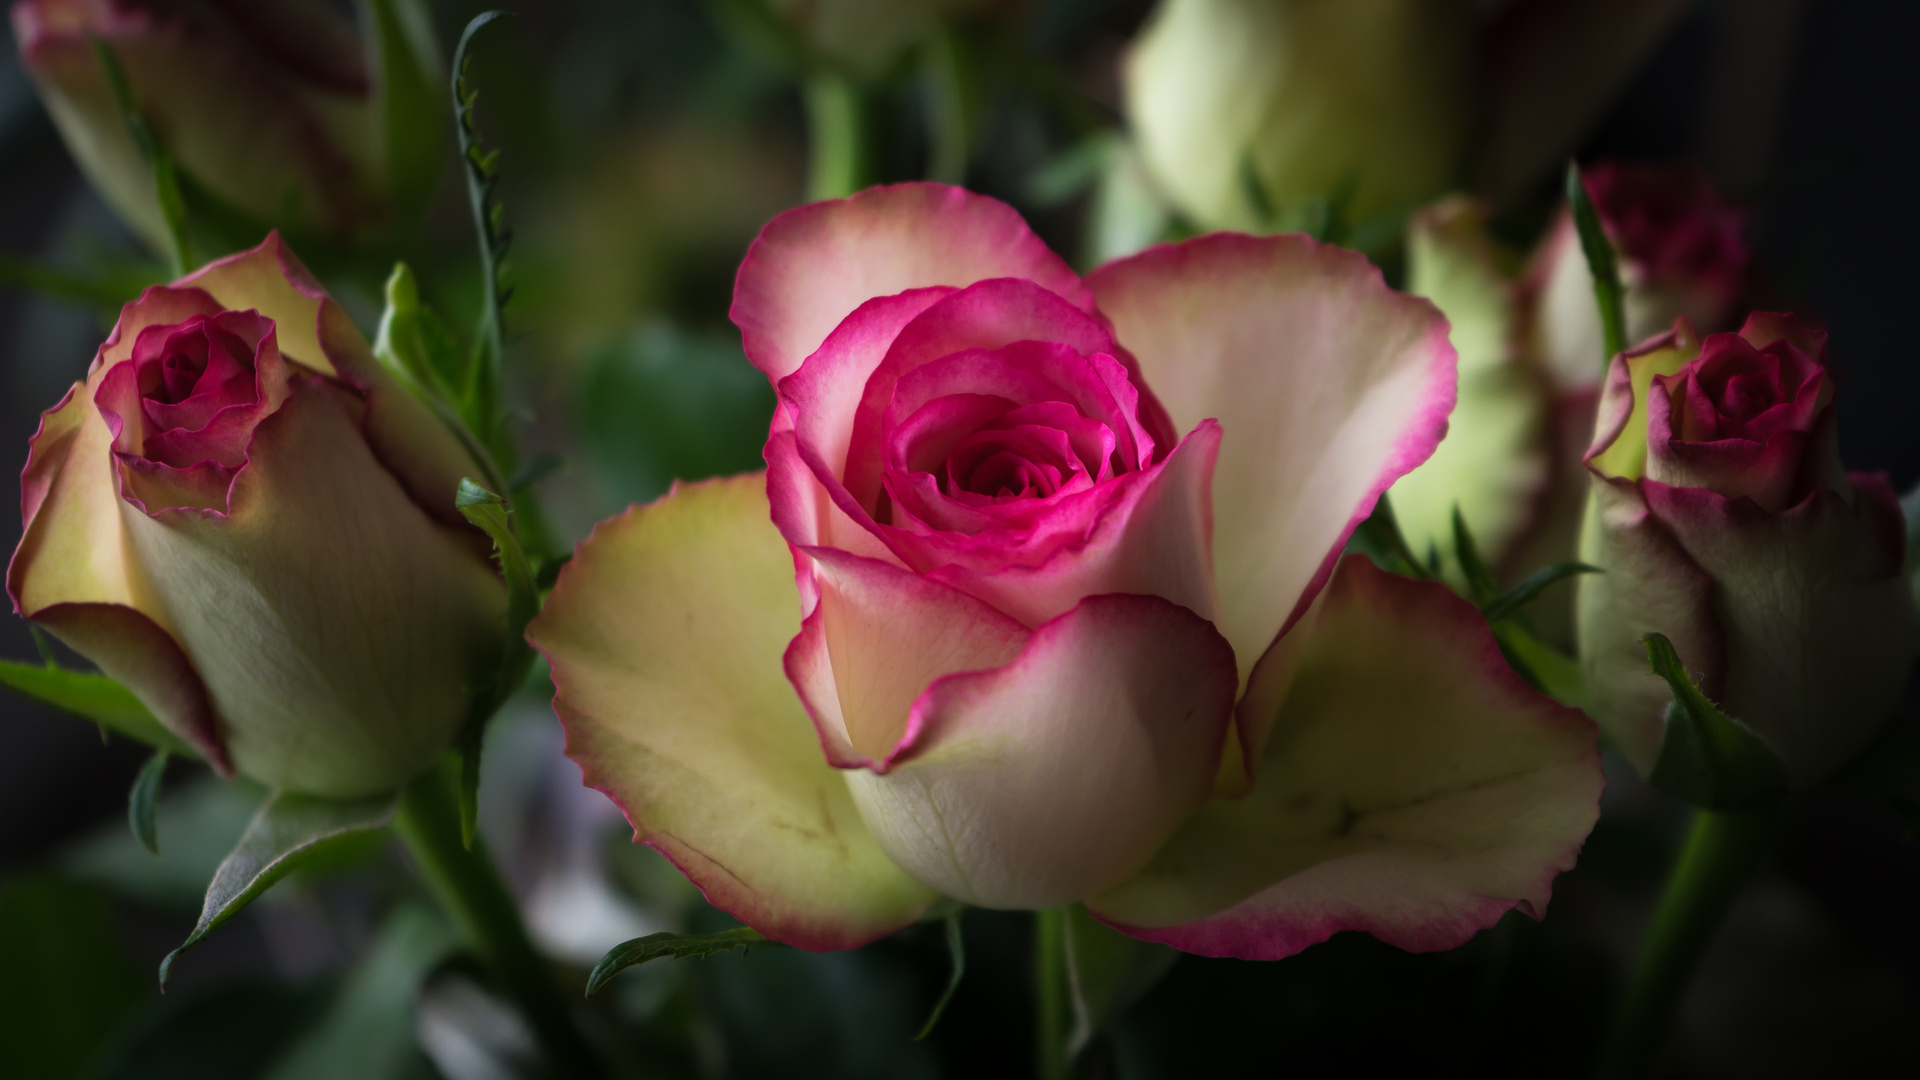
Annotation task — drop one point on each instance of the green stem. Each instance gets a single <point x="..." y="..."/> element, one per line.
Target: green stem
<point x="1722" y="849"/>
<point x="1050" y="992"/>
<point x="837" y="130"/>
<point x="469" y="888"/>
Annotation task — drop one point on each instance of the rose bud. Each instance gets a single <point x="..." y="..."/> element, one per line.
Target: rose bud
<point x="275" y="108"/>
<point x="1041" y="600"/>
<point x="240" y="517"/>
<point x="1242" y="108"/>
<point x="1495" y="463"/>
<point x="1682" y="253"/>
<point x="1724" y="520"/>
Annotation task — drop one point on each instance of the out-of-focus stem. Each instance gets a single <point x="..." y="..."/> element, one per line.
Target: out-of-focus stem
<point x="1050" y="993"/>
<point x="469" y="888"/>
<point x="836" y="130"/>
<point x="1722" y="849"/>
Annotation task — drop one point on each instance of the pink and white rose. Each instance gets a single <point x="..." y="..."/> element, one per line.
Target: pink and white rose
<point x="1041" y="600"/>
<point x="239" y="516"/>
<point x="1724" y="520"/>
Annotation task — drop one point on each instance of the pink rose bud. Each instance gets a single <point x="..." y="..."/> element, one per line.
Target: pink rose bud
<point x="241" y="518"/>
<point x="274" y="108"/>
<point x="1041" y="600"/>
<point x="1682" y="253"/>
<point x="1724" y="520"/>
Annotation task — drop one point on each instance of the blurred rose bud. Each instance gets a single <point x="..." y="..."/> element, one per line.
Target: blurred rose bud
<point x="1682" y="253"/>
<point x="276" y="109"/>
<point x="1496" y="462"/>
<point x="1724" y="521"/>
<point x="242" y="519"/>
<point x="1236" y="103"/>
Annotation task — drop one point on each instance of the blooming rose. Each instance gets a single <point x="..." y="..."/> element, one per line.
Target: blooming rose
<point x="1051" y="564"/>
<point x="274" y="107"/>
<point x="242" y="519"/>
<point x="1724" y="521"/>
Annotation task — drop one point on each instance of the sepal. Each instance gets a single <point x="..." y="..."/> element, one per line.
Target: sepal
<point x="1707" y="757"/>
<point x="287" y="832"/>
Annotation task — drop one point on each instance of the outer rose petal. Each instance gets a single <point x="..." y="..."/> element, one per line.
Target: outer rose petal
<point x="1058" y="775"/>
<point x="75" y="574"/>
<point x="1329" y="386"/>
<point x="332" y="622"/>
<point x="665" y="634"/>
<point x="1413" y="787"/>
<point x="315" y="332"/>
<point x="1651" y="583"/>
<point x="878" y="636"/>
<point x="811" y="266"/>
<point x="1817" y="617"/>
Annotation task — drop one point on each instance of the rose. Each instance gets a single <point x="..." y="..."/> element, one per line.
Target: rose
<point x="240" y="517"/>
<point x="1724" y="520"/>
<point x="1296" y="98"/>
<point x="1682" y="252"/>
<point x="1062" y="551"/>
<point x="276" y="108"/>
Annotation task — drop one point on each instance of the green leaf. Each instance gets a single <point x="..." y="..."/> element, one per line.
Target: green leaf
<point x="654" y="946"/>
<point x="410" y="100"/>
<point x="1379" y="538"/>
<point x="957" y="953"/>
<point x="287" y="832"/>
<point x="481" y="396"/>
<point x="1507" y="603"/>
<point x="488" y="512"/>
<point x="166" y="182"/>
<point x="1481" y="586"/>
<point x="1707" y="757"/>
<point x="418" y="350"/>
<point x="142" y="800"/>
<point x="95" y="697"/>
<point x="1544" y="667"/>
<point x="1602" y="263"/>
<point x="1107" y="971"/>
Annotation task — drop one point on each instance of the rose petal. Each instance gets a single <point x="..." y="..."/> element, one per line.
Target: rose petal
<point x="1651" y="583"/>
<point x="877" y="638"/>
<point x="1413" y="787"/>
<point x="1817" y="617"/>
<point x="665" y="634"/>
<point x="1049" y="779"/>
<point x="1146" y="533"/>
<point x="73" y="573"/>
<point x="1328" y="385"/>
<point x="314" y="331"/>
<point x="338" y="629"/>
<point x="812" y="266"/>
